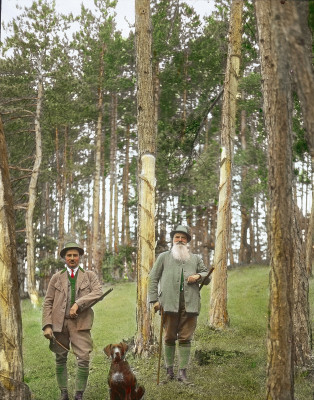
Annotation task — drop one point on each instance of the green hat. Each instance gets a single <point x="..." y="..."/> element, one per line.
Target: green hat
<point x="181" y="229"/>
<point x="71" y="245"/>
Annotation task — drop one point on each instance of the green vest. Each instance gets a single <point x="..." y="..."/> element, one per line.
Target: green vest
<point x="73" y="283"/>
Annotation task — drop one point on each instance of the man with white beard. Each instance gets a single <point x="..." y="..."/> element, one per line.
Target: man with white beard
<point x="174" y="288"/>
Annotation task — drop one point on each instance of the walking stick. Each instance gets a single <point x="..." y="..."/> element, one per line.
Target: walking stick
<point x="160" y="343"/>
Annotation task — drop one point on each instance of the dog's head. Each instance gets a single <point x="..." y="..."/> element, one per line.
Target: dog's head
<point x="116" y="351"/>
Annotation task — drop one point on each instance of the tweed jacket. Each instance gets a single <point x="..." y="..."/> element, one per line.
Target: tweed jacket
<point x="88" y="289"/>
<point x="166" y="274"/>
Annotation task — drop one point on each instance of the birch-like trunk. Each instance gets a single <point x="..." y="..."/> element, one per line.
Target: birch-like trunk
<point x="11" y="357"/>
<point x="32" y="195"/>
<point x="218" y="314"/>
<point x="125" y="232"/>
<point x="96" y="252"/>
<point x="146" y="169"/>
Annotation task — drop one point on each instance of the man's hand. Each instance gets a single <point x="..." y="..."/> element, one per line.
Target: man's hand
<point x="194" y="278"/>
<point x="156" y="306"/>
<point x="73" y="311"/>
<point x="48" y="332"/>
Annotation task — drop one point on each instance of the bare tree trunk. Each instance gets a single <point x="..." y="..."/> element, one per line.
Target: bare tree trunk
<point x="113" y="143"/>
<point x="277" y="111"/>
<point x="61" y="184"/>
<point x="11" y="357"/>
<point x="116" y="218"/>
<point x="146" y="169"/>
<point x="245" y="251"/>
<point x="31" y="280"/>
<point x="309" y="255"/>
<point x="125" y="234"/>
<point x="218" y="315"/>
<point x="96" y="252"/>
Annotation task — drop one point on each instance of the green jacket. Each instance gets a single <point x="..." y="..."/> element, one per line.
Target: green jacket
<point x="166" y="273"/>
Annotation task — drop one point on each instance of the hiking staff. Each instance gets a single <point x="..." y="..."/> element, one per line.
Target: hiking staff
<point x="160" y="343"/>
<point x="207" y="276"/>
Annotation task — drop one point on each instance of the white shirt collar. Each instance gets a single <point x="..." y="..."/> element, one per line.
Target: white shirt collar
<point x="70" y="270"/>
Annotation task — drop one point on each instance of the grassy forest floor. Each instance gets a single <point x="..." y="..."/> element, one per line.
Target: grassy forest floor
<point x="226" y="365"/>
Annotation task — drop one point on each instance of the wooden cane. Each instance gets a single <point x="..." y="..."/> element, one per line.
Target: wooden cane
<point x="160" y="343"/>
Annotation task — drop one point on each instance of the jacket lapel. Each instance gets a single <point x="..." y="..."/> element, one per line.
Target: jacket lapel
<point x="80" y="278"/>
<point x="64" y="280"/>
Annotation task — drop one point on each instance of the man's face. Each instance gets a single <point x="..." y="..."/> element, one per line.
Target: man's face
<point x="180" y="238"/>
<point x="72" y="258"/>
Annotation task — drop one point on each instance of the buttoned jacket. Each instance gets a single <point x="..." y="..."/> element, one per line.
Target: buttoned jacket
<point x="165" y="280"/>
<point x="87" y="290"/>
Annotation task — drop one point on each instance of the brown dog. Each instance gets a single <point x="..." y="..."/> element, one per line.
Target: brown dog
<point x="121" y="379"/>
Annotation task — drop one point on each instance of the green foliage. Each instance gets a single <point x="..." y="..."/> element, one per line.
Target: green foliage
<point x="115" y="263"/>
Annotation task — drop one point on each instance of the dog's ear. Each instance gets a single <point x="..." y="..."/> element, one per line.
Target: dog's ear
<point x="107" y="350"/>
<point x="124" y="346"/>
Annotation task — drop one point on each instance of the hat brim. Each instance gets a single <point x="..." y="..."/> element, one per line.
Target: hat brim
<point x="63" y="251"/>
<point x="186" y="234"/>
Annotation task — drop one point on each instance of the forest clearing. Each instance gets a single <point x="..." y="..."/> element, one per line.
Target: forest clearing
<point x="230" y="365"/>
<point x="149" y="158"/>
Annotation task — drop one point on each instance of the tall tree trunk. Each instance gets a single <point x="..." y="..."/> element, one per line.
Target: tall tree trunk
<point x="277" y="112"/>
<point x="32" y="189"/>
<point x="113" y="144"/>
<point x="116" y="218"/>
<point x="11" y="357"/>
<point x="218" y="315"/>
<point x="146" y="170"/>
<point x="61" y="184"/>
<point x="295" y="30"/>
<point x="125" y="233"/>
<point x="96" y="252"/>
<point x="245" y="251"/>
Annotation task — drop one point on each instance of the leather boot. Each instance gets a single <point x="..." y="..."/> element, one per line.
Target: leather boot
<point x="78" y="395"/>
<point x="183" y="378"/>
<point x="170" y="374"/>
<point x="64" y="394"/>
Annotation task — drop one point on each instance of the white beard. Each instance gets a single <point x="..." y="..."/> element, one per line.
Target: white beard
<point x="180" y="252"/>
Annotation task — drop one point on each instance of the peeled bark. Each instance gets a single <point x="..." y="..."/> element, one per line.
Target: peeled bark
<point x="12" y="386"/>
<point x="146" y="168"/>
<point x="218" y="315"/>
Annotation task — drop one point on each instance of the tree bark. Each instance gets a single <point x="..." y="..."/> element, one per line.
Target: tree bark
<point x="218" y="315"/>
<point x="146" y="168"/>
<point x="96" y="252"/>
<point x="32" y="189"/>
<point x="277" y="113"/>
<point x="11" y="358"/>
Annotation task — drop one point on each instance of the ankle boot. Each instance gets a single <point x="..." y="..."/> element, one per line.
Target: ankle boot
<point x="170" y="373"/>
<point x="182" y="377"/>
<point x="64" y="394"/>
<point x="78" y="395"/>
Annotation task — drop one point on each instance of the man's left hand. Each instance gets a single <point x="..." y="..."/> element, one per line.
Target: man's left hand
<point x="73" y="311"/>
<point x="194" y="278"/>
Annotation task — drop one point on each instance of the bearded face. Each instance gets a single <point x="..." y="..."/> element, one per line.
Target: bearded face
<point x="180" y="250"/>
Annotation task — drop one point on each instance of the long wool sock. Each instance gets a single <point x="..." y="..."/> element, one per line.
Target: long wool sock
<point x="184" y="354"/>
<point x="170" y="350"/>
<point x="62" y="376"/>
<point x="81" y="378"/>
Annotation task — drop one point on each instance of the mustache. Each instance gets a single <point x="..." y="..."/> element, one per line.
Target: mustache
<point x="180" y="243"/>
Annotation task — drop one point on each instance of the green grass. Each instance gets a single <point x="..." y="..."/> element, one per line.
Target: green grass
<point x="227" y="365"/>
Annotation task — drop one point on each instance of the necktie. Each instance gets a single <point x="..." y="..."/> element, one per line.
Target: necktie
<point x="72" y="273"/>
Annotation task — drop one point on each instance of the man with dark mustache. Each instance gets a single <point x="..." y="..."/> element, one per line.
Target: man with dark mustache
<point x="174" y="288"/>
<point x="68" y="317"/>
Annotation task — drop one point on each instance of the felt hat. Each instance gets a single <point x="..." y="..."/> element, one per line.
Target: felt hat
<point x="71" y="245"/>
<point x="181" y="229"/>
